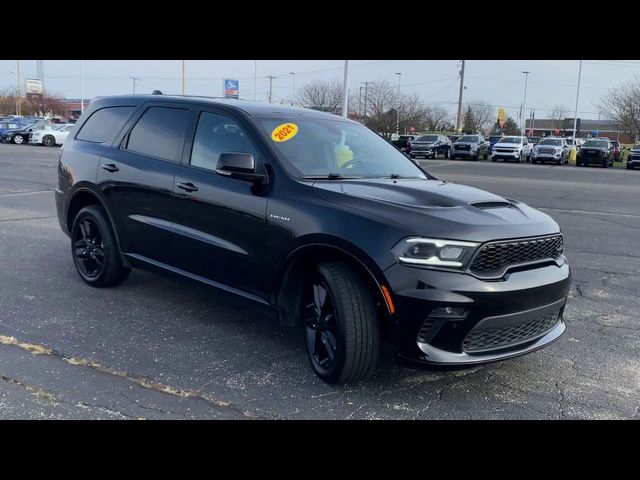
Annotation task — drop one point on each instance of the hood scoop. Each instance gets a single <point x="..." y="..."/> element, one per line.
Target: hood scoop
<point x="488" y="205"/>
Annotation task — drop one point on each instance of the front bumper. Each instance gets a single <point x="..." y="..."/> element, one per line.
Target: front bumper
<point x="512" y="304"/>
<point x="421" y="153"/>
<point x="546" y="157"/>
<point x="506" y="155"/>
<point x="464" y="153"/>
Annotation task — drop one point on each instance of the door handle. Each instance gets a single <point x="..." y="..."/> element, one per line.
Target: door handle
<point x="110" y="167"/>
<point x="188" y="187"/>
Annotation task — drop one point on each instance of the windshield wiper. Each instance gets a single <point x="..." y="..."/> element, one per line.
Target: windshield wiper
<point x="329" y="176"/>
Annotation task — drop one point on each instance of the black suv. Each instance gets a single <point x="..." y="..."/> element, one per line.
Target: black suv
<point x="430" y="146"/>
<point x="316" y="217"/>
<point x="598" y="151"/>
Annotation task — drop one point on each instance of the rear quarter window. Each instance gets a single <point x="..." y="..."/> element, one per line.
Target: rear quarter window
<point x="104" y="124"/>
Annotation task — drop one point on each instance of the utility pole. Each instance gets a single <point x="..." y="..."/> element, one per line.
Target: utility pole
<point x="366" y="91"/>
<point x="183" y="78"/>
<point x="40" y="71"/>
<point x="360" y="102"/>
<point x="345" y="90"/>
<point x="271" y="78"/>
<point x="458" y="119"/>
<point x="399" y="74"/>
<point x="524" y="103"/>
<point x="81" y="90"/>
<point x="575" y="115"/>
<point x="255" y="80"/>
<point x="18" y="100"/>
<point x="293" y="75"/>
<point x="134" y="83"/>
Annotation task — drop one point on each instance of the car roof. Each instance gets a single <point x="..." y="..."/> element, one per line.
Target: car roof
<point x="251" y="108"/>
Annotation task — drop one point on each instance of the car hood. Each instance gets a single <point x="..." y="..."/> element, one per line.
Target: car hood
<point x="439" y="209"/>
<point x="422" y="143"/>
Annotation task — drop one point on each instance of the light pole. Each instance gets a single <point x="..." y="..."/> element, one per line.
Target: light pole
<point x="345" y="90"/>
<point x="183" y="77"/>
<point x="134" y="83"/>
<point x="255" y="80"/>
<point x="81" y="91"/>
<point x="366" y="91"/>
<point x="524" y="103"/>
<point x="293" y="76"/>
<point x="575" y="115"/>
<point x="270" y="77"/>
<point x="18" y="84"/>
<point x="399" y="74"/>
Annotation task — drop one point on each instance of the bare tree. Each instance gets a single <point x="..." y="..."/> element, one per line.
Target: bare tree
<point x="622" y="104"/>
<point x="558" y="114"/>
<point x="7" y="101"/>
<point x="484" y="115"/>
<point x="437" y="118"/>
<point x="324" y="95"/>
<point x="46" y="104"/>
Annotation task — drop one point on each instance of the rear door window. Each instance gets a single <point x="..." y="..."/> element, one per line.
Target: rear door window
<point x="159" y="133"/>
<point x="103" y="125"/>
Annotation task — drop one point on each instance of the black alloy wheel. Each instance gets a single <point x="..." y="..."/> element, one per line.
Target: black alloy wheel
<point x="49" y="141"/>
<point x="89" y="249"/>
<point x="94" y="248"/>
<point x="321" y="326"/>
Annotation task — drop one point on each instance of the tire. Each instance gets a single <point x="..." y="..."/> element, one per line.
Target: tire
<point x="485" y="156"/>
<point x="48" y="141"/>
<point x="95" y="243"/>
<point x="446" y="154"/>
<point x="494" y="159"/>
<point x="452" y="157"/>
<point x="339" y="311"/>
<point x="18" y="139"/>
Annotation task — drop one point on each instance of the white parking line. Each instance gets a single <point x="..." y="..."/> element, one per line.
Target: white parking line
<point x="19" y="194"/>
<point x="607" y="214"/>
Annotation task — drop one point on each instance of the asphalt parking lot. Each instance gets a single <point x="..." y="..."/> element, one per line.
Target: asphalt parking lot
<point x="156" y="347"/>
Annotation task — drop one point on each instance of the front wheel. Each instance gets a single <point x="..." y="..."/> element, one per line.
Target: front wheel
<point x="446" y="154"/>
<point x="48" y="141"/>
<point x="341" y="325"/>
<point x="95" y="250"/>
<point x="18" y="139"/>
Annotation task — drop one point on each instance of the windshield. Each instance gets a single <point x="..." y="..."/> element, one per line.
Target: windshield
<point x="615" y="144"/>
<point x="428" y="138"/>
<point x="551" y="141"/>
<point x="334" y="148"/>
<point x="595" y="144"/>
<point x="510" y="140"/>
<point x="468" y="138"/>
<point x="636" y="147"/>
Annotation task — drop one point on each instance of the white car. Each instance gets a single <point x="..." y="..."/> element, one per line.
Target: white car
<point x="51" y="135"/>
<point x="511" y="148"/>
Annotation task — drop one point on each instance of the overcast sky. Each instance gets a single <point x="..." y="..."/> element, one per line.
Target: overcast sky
<point x="499" y="82"/>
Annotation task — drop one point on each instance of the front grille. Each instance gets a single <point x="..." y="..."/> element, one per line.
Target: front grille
<point x="547" y="151"/>
<point x="480" y="340"/>
<point x="505" y="150"/>
<point x="495" y="257"/>
<point x="423" y="333"/>
<point x="462" y="147"/>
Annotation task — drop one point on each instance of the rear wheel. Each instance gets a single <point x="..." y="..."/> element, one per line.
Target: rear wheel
<point x="341" y="325"/>
<point x="18" y="139"/>
<point x="95" y="250"/>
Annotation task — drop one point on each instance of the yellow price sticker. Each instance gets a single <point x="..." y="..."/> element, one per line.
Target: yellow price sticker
<point x="284" y="132"/>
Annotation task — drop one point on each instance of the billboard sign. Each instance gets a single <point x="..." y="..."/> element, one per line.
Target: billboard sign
<point x="231" y="88"/>
<point x="33" y="87"/>
<point x="502" y="117"/>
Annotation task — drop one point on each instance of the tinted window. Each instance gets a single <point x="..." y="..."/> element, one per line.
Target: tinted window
<point x="428" y="138"/>
<point x="470" y="139"/>
<point x="218" y="134"/>
<point x="159" y="133"/>
<point x="596" y="144"/>
<point x="551" y="141"/>
<point x="103" y="125"/>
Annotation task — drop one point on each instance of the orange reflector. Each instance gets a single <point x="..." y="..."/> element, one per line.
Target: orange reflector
<point x="387" y="297"/>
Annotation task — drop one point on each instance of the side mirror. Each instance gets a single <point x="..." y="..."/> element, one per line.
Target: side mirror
<point x="241" y="166"/>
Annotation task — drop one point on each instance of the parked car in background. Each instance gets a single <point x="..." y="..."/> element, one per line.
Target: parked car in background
<point x="402" y="143"/>
<point x="470" y="146"/>
<point x="55" y="135"/>
<point x="633" y="159"/>
<point x="573" y="142"/>
<point x="10" y="125"/>
<point x="551" y="149"/>
<point x="20" y="135"/>
<point x="514" y="148"/>
<point x="617" y="151"/>
<point x="595" y="151"/>
<point x="430" y="146"/>
<point x="534" y="141"/>
<point x="493" y="139"/>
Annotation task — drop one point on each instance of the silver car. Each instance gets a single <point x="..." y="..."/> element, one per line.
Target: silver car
<point x="551" y="150"/>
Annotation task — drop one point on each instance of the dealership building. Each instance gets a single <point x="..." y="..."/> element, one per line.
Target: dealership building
<point x="544" y="127"/>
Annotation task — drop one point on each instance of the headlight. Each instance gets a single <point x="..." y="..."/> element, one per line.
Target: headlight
<point x="434" y="252"/>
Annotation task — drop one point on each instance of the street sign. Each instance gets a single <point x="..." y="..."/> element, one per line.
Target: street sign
<point x="33" y="87"/>
<point x="231" y="88"/>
